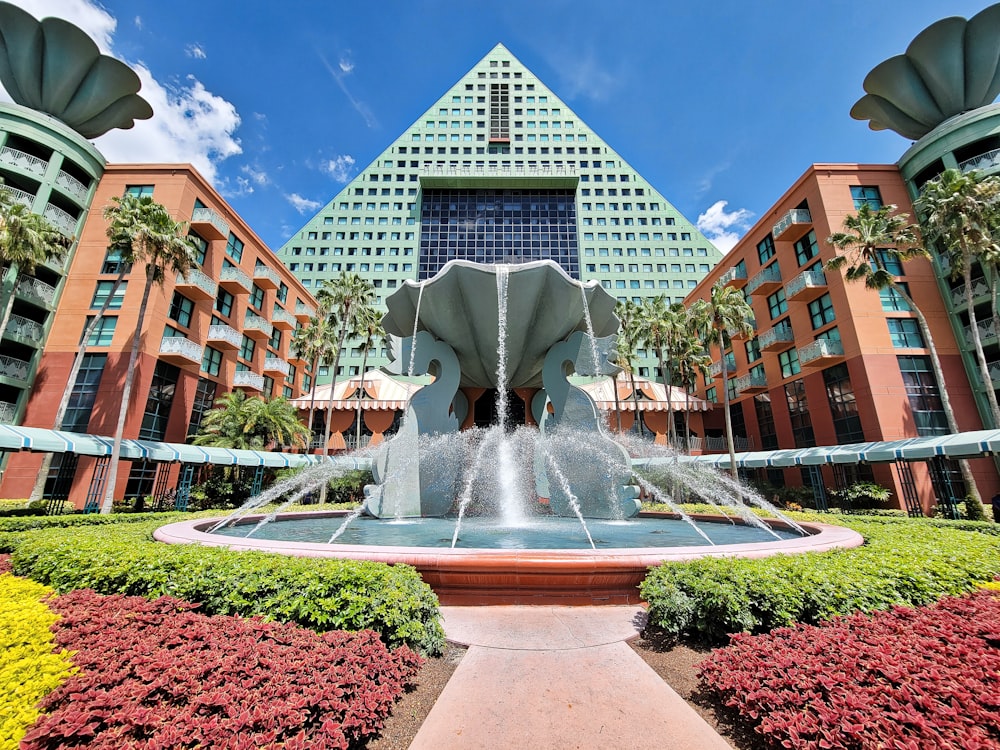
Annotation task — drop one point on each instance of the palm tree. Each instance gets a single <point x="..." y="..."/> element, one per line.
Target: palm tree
<point x="144" y="231"/>
<point x="251" y="423"/>
<point x="26" y="239"/>
<point x="372" y="335"/>
<point x="871" y="237"/>
<point x="960" y="213"/>
<point x="663" y="324"/>
<point x="314" y="343"/>
<point x="630" y="333"/>
<point x="343" y="297"/>
<point x="728" y="315"/>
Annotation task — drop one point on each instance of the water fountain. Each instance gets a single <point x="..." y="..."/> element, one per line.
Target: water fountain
<point x="523" y="515"/>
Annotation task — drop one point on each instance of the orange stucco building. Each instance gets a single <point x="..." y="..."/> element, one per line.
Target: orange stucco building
<point x="834" y="362"/>
<point x="228" y="325"/>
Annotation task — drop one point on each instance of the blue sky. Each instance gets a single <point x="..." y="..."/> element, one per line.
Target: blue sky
<point x="720" y="105"/>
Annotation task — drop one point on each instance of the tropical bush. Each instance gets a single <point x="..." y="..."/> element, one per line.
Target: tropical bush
<point x="158" y="674"/>
<point x="901" y="563"/>
<point x="29" y="668"/>
<point x="861" y="495"/>
<point x="906" y="678"/>
<point x="322" y="594"/>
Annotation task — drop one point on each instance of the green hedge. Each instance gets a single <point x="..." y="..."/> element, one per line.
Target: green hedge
<point x="903" y="562"/>
<point x="321" y="594"/>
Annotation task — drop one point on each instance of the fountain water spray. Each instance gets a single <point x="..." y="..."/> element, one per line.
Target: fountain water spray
<point x="503" y="278"/>
<point x="416" y="321"/>
<point x="573" y="501"/>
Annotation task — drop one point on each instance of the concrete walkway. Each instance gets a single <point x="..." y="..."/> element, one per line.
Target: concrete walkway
<point x="553" y="678"/>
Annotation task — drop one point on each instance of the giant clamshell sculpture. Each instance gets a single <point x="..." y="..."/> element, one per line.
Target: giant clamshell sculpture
<point x="53" y="66"/>
<point x="951" y="67"/>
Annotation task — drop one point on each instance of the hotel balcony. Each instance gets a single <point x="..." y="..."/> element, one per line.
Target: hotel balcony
<point x="23" y="162"/>
<point x="21" y="196"/>
<point x="716" y="369"/>
<point x="72" y="187"/>
<point x="181" y="351"/>
<point x="806" y="287"/>
<point x="223" y="337"/>
<point x="235" y="281"/>
<point x="735" y="277"/>
<point x="980" y="293"/>
<point x="304" y="312"/>
<point x="15" y="369"/>
<point x="209" y="224"/>
<point x="257" y="328"/>
<point x="738" y="335"/>
<point x="776" y="339"/>
<point x="283" y="319"/>
<point x="31" y="289"/>
<point x="751" y="383"/>
<point x="249" y="380"/>
<point x="276" y="365"/>
<point x="987" y="162"/>
<point x="988" y="330"/>
<point x="296" y="357"/>
<point x="793" y="225"/>
<point x="266" y="277"/>
<point x="25" y="331"/>
<point x="994" y="370"/>
<point x="821" y="352"/>
<point x="766" y="281"/>
<point x="61" y="220"/>
<point x="7" y="412"/>
<point x="198" y="285"/>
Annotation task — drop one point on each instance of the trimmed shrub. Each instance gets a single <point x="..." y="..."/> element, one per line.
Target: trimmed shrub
<point x="322" y="594"/>
<point x="907" y="678"/>
<point x="157" y="674"/>
<point x="29" y="669"/>
<point x="902" y="563"/>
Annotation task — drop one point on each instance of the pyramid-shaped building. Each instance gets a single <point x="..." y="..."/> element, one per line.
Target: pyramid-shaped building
<point x="500" y="170"/>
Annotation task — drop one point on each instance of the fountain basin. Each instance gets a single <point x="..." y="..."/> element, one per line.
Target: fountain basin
<point x="476" y="576"/>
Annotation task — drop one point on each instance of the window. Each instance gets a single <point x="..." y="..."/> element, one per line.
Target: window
<point x="777" y="304"/>
<point x="283" y="292"/>
<point x="889" y="260"/>
<point x="139" y="191"/>
<point x="257" y="297"/>
<point x="843" y="405"/>
<point x="113" y="263"/>
<point x="821" y="311"/>
<point x="789" y="361"/>
<point x="161" y="398"/>
<point x="180" y="309"/>
<point x="753" y="350"/>
<point x="103" y="291"/>
<point x="923" y="394"/>
<point x="275" y="341"/>
<point x="247" y="348"/>
<point x="224" y="303"/>
<point x="211" y="362"/>
<point x="806" y="248"/>
<point x="234" y="248"/>
<point x="200" y="245"/>
<point x="866" y="194"/>
<point x="103" y="332"/>
<point x="81" y="400"/>
<point x="892" y="300"/>
<point x="798" y="413"/>
<point x="765" y="249"/>
<point x="765" y="421"/>
<point x="905" y="333"/>
<point x="204" y="398"/>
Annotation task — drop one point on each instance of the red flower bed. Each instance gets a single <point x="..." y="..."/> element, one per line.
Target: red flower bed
<point x="155" y="674"/>
<point x="5" y="564"/>
<point x="909" y="678"/>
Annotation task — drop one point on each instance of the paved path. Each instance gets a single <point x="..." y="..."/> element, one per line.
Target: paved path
<point x="548" y="678"/>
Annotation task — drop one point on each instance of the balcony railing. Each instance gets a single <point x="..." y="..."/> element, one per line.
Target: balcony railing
<point x="248" y="379"/>
<point x="988" y="330"/>
<point x="994" y="370"/>
<point x="225" y="337"/>
<point x="266" y="277"/>
<point x="795" y="217"/>
<point x="736" y="277"/>
<point x="197" y="284"/>
<point x="7" y="412"/>
<point x="980" y="288"/>
<point x="31" y="288"/>
<point x="276" y="364"/>
<point x="209" y="224"/>
<point x="72" y="186"/>
<point x="766" y="280"/>
<point x="256" y="327"/>
<point x="302" y="310"/>
<point x="711" y="443"/>
<point x="753" y="382"/>
<point x="25" y="330"/>
<point x="61" y="220"/>
<point x="283" y="319"/>
<point x="716" y="368"/>
<point x="502" y="170"/>
<point x="776" y="339"/>
<point x="11" y="367"/>
<point x="821" y="350"/>
<point x="181" y="350"/>
<point x="20" y="196"/>
<point x="235" y="280"/>
<point x="26" y="162"/>
<point x="989" y="160"/>
<point x="806" y="287"/>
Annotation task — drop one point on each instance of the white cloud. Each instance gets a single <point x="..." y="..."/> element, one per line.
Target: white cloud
<point x="189" y="124"/>
<point x="338" y="74"/>
<point x="301" y="204"/>
<point x="346" y="65"/>
<point x="340" y="168"/>
<point x="196" y="51"/>
<point x="724" y="228"/>
<point x="256" y="175"/>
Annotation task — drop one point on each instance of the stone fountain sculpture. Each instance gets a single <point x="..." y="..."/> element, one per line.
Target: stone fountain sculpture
<point x="459" y="331"/>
